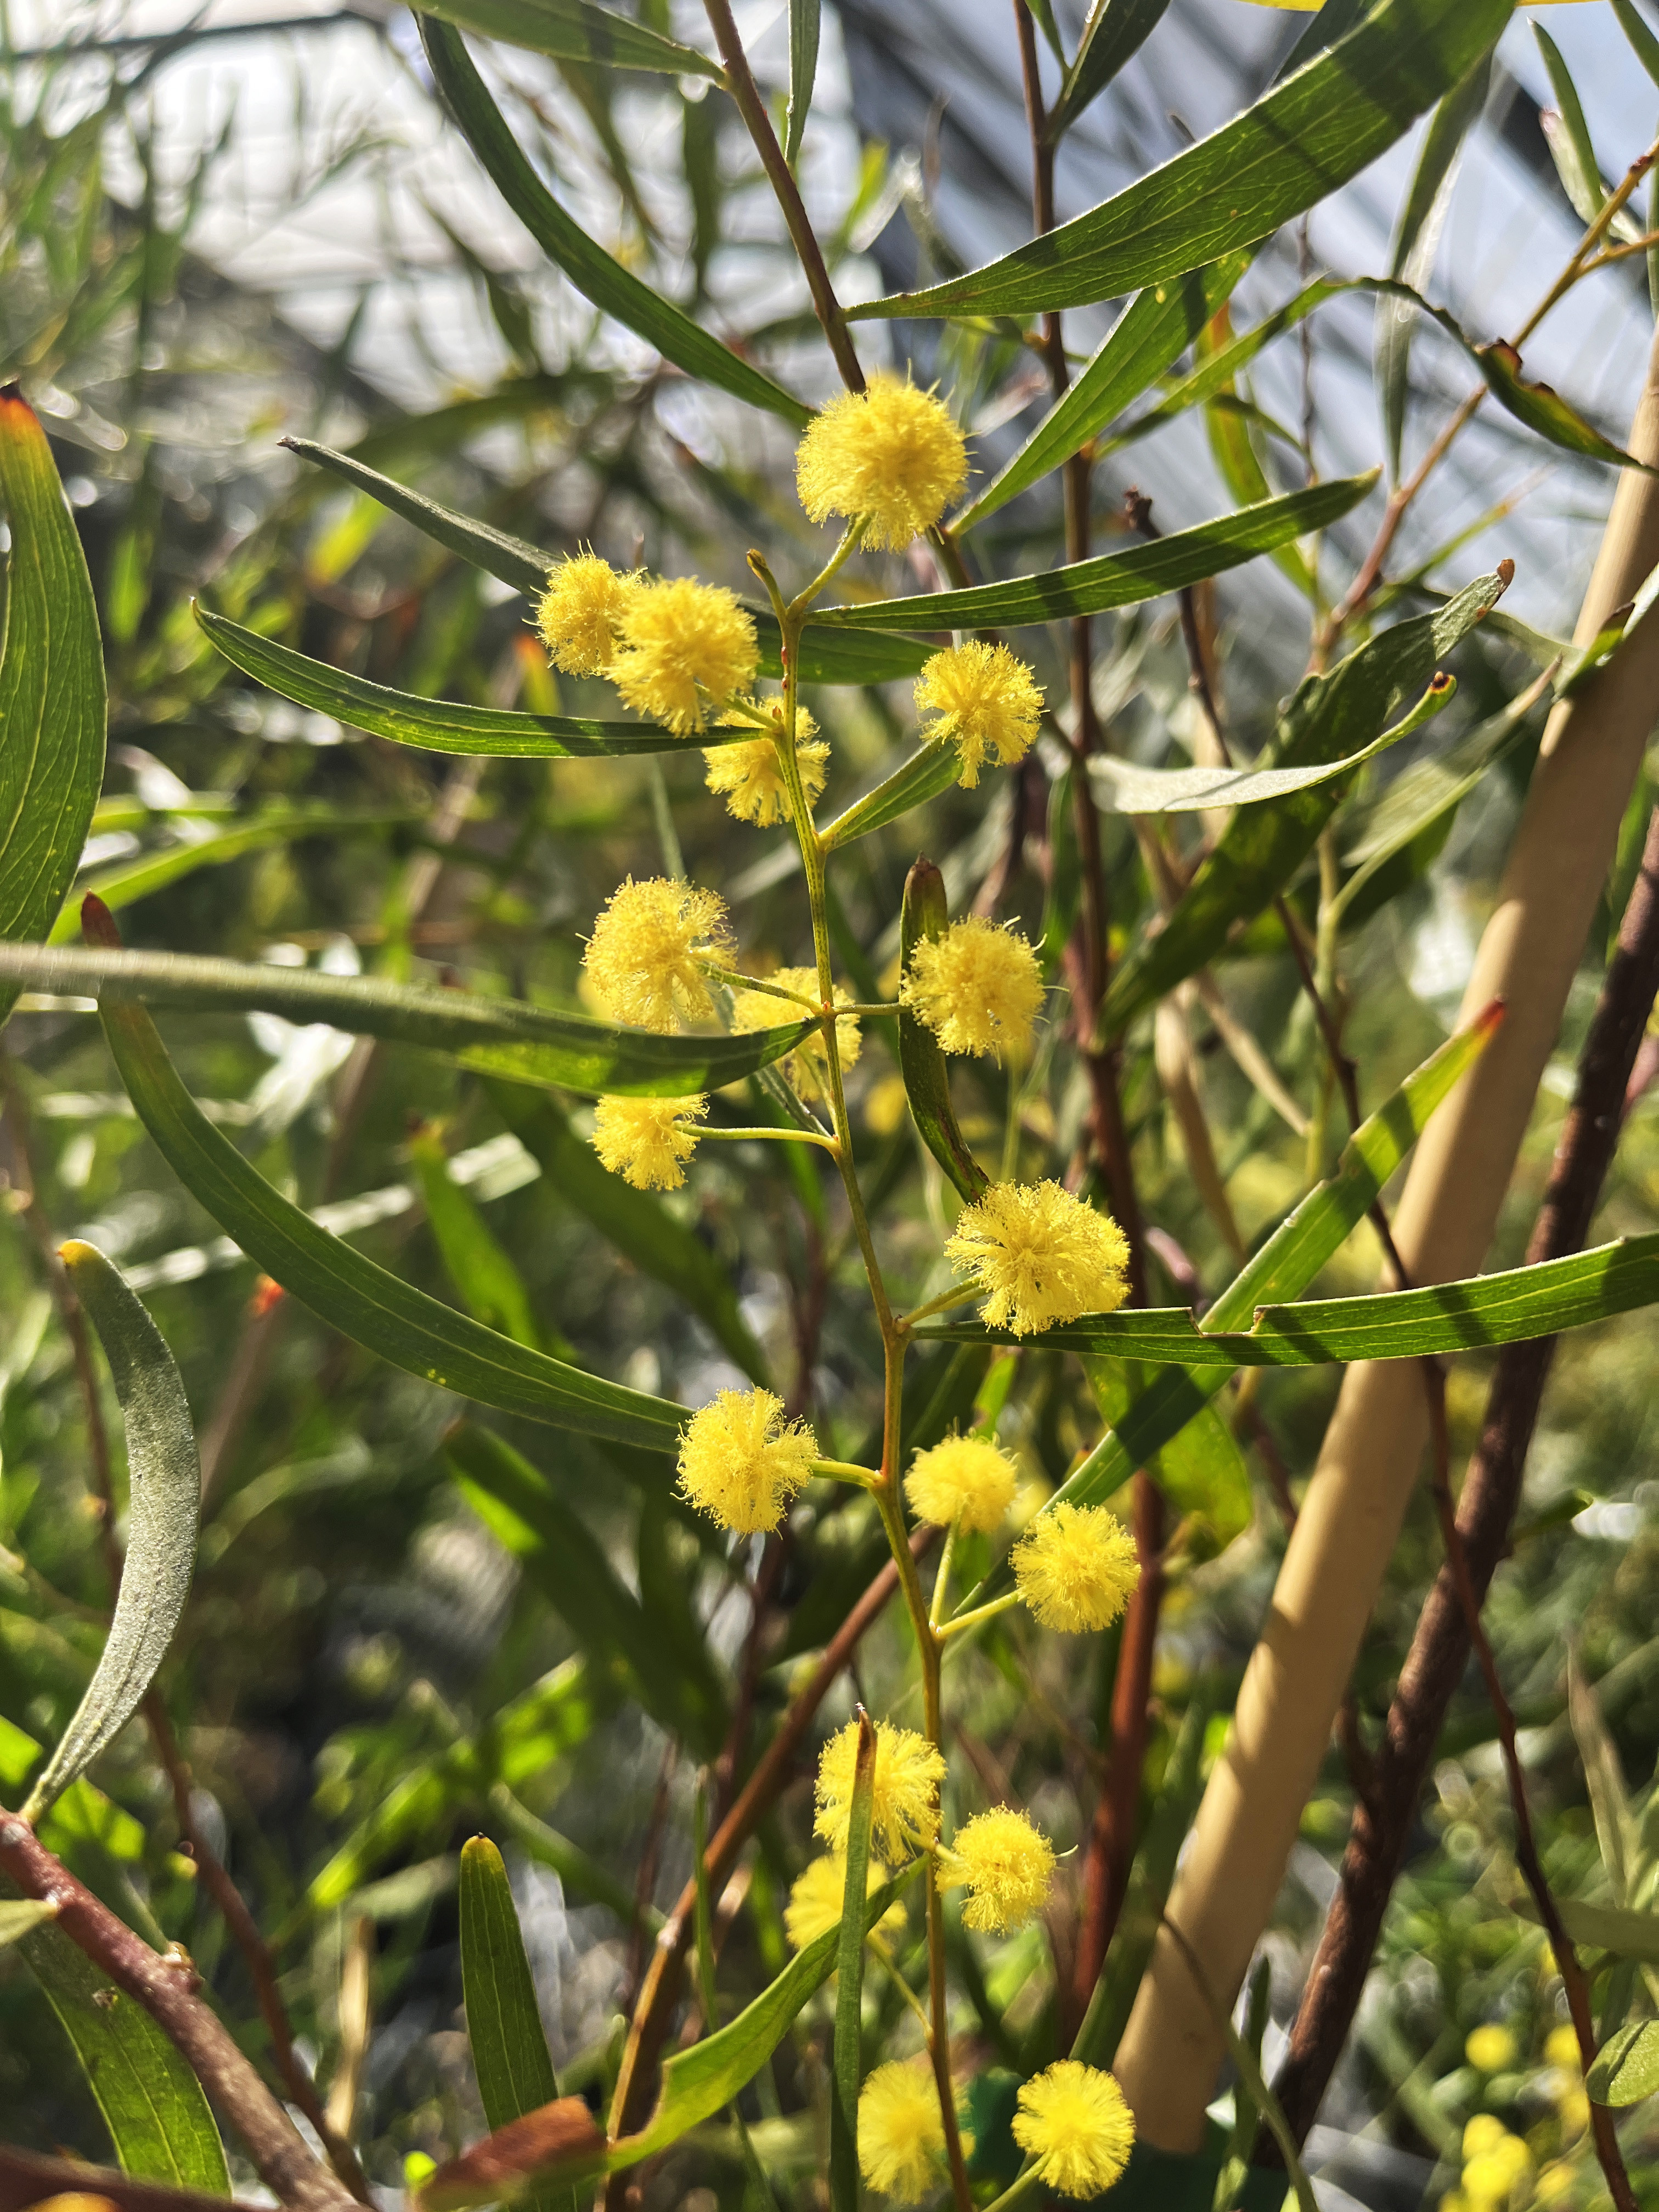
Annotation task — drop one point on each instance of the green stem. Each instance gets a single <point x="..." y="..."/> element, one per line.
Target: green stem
<point x="772" y="1136"/>
<point x="841" y="1470"/>
<point x="980" y="1614"/>
<point x="958" y="1295"/>
<point x="942" y="1579"/>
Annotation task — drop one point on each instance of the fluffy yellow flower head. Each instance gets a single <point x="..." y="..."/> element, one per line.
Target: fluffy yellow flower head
<point x="686" y="649"/>
<point x="1074" y="2122"/>
<point x="741" y="1463"/>
<point x="647" y="1141"/>
<point x="1561" y="2048"/>
<point x="1076" y="1567"/>
<point x="644" y="957"/>
<point x="984" y="699"/>
<point x="1483" y="2133"/>
<point x="904" y="1811"/>
<point x="902" y="2131"/>
<point x="978" y="987"/>
<point x="808" y="1067"/>
<point x="969" y="1475"/>
<point x="815" y="1898"/>
<point x="890" y="459"/>
<point x="1039" y="1255"/>
<point x="1494" y="2179"/>
<point x="1489" y="2050"/>
<point x="582" y="612"/>
<point x="748" y="776"/>
<point x="1007" y="1865"/>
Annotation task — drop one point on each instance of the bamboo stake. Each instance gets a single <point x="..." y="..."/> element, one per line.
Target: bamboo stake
<point x="1333" y="1566"/>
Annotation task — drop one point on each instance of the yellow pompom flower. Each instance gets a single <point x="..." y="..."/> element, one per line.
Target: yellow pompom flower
<point x="966" y="1476"/>
<point x="1483" y="2133"/>
<point x="904" y="1807"/>
<point x="1076" y="1567"/>
<point x="685" y="649"/>
<point x="580" y="613"/>
<point x="1075" y="2122"/>
<point x="1561" y="2047"/>
<point x="644" y="959"/>
<point x="1007" y="1864"/>
<point x="741" y="1463"/>
<point x="978" y="987"/>
<point x="749" y="775"/>
<point x="984" y="699"/>
<point x="890" y="458"/>
<point x="1039" y="1255"/>
<point x="902" y="2131"/>
<point x="808" y="1066"/>
<point x="1496" y="2178"/>
<point x="815" y="1898"/>
<point x="647" y="1141"/>
<point x="1489" y="2050"/>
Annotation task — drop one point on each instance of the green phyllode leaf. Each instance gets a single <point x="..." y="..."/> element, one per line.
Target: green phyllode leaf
<point x="577" y="30"/>
<point x="1627" y="2067"/>
<point x="510" y="2055"/>
<point x="921" y="1063"/>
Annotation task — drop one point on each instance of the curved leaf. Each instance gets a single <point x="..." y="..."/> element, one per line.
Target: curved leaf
<point x="495" y="1037"/>
<point x="930" y="770"/>
<point x="510" y="2055"/>
<point x="163" y="1513"/>
<point x="1113" y="33"/>
<point x="1294" y="147"/>
<point x="921" y="1063"/>
<point x="577" y="30"/>
<point x="1627" y="2067"/>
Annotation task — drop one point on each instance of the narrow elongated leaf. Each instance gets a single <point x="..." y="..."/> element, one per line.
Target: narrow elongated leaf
<point x="496" y="1037"/>
<point x="577" y="30"/>
<point x="921" y="1063"/>
<point x="514" y="560"/>
<point x="1121" y="580"/>
<point x="933" y="769"/>
<point x="375" y="1308"/>
<point x="163" y="1512"/>
<point x="1155" y="328"/>
<point x="804" y="27"/>
<point x="1294" y="147"/>
<point x="1201" y="1471"/>
<point x="1642" y="43"/>
<point x="1616" y="1828"/>
<point x="848" y="2066"/>
<point x="1113" y="33"/>
<point x="1542" y="408"/>
<point x="52" y="687"/>
<point x="477" y="1263"/>
<point x="1567" y="134"/>
<point x="595" y="273"/>
<point x="510" y="2055"/>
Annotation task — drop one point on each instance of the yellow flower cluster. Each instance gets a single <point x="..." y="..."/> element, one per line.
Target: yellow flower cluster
<point x="1039" y="1255"/>
<point x="978" y="987"/>
<point x="1074" y="2121"/>
<point x="644" y="959"/>
<point x="808" y="1066"/>
<point x="904" y="1806"/>
<point x="817" y="1894"/>
<point x="1006" y="1863"/>
<point x="984" y="701"/>
<point x="741" y="1463"/>
<point x="749" y="775"/>
<point x="1497" y="2168"/>
<point x="890" y="458"/>
<point x="675" y="649"/>
<point x="1492" y="2050"/>
<point x="647" y="1141"/>
<point x="902" y="2131"/>
<point x="966" y="1476"/>
<point x="581" y="615"/>
<point x="1076" y="1567"/>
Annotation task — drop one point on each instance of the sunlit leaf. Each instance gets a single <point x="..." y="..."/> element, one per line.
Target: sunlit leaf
<point x="577" y="30"/>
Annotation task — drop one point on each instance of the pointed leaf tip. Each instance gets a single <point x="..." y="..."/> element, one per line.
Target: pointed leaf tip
<point x="98" y="924"/>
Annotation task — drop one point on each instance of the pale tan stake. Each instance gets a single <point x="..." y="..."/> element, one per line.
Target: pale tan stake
<point x="1171" y="2050"/>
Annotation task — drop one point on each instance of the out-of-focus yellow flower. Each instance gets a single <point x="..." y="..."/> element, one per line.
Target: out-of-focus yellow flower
<point x="890" y="459"/>
<point x="904" y="1804"/>
<point x="984" y="699"/>
<point x="808" y="1066"/>
<point x="978" y="987"/>
<point x="1489" y="2049"/>
<point x="1076" y="1567"/>
<point x="1006" y="1863"/>
<point x="580" y="613"/>
<point x="815" y="1898"/>
<point x="647" y="1141"/>
<point x="748" y="776"/>
<point x="1554" y="2182"/>
<point x="1493" y="2181"/>
<point x="685" y="651"/>
<point x="1483" y="2133"/>
<point x="741" y="1463"/>
<point x="902" y="2131"/>
<point x="966" y="1476"/>
<point x="644" y="959"/>
<point x="1561" y="2047"/>
<point x="885" y="1105"/>
<point x="1573" y="2112"/>
<point x="1074" y="2122"/>
<point x="1039" y="1255"/>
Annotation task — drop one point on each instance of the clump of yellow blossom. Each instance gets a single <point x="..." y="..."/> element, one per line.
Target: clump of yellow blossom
<point x="966" y="1476"/>
<point x="1074" y="2121"/>
<point x="1497" y="2168"/>
<point x="685" y="649"/>
<point x="1489" y="2049"/>
<point x="902" y="2131"/>
<point x="742" y="1463"/>
<point x="749" y="774"/>
<point x="1561" y="2048"/>
<point x="890" y="458"/>
<point x="978" y="987"/>
<point x="647" y="1141"/>
<point x="1076" y="1567"/>
<point x="904" y="1803"/>
<point x="808" y="1066"/>
<point x="581" y="611"/>
<point x="817" y="1897"/>
<point x="984" y="699"/>
<point x="644" y="959"/>
<point x="1007" y="1864"/>
<point x="1039" y="1255"/>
